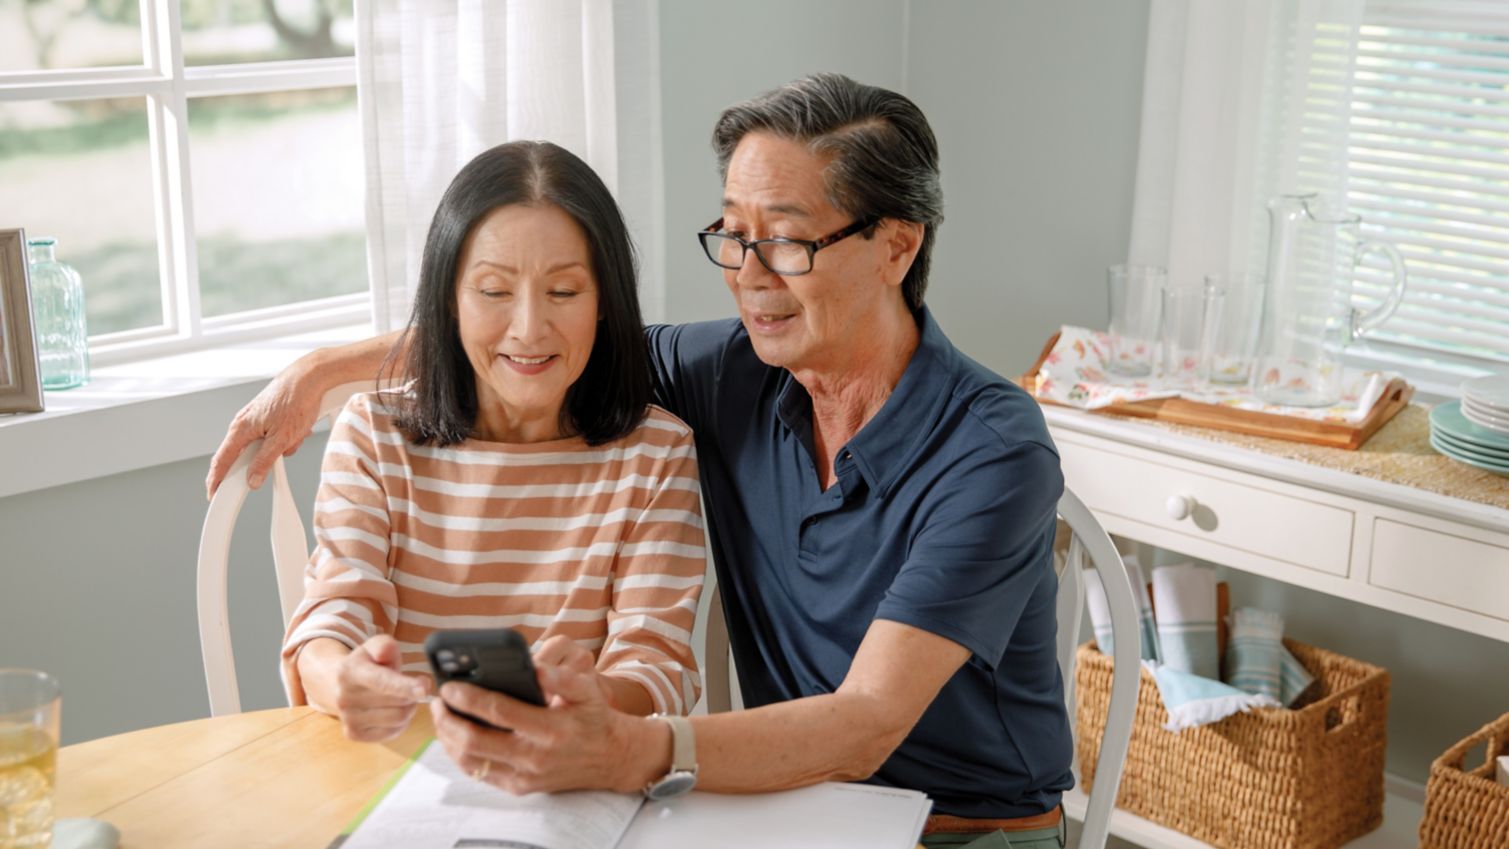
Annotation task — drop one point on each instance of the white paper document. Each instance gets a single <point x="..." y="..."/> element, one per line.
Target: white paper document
<point x="840" y="816"/>
<point x="435" y="806"/>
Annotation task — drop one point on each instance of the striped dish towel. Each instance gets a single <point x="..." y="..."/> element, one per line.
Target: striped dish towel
<point x="1254" y="652"/>
<point x="1185" y="597"/>
<point x="1294" y="678"/>
<point x="1100" y="611"/>
<point x="1256" y="660"/>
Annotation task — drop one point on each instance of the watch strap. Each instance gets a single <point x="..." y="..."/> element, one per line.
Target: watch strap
<point x="683" y="743"/>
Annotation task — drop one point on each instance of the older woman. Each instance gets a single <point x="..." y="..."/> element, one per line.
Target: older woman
<point x="522" y="479"/>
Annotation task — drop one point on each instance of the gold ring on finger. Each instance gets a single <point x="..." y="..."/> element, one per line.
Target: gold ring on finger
<point x="480" y="773"/>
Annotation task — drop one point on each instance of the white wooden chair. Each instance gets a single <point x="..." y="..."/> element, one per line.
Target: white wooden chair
<point x="1089" y="539"/>
<point x="290" y="552"/>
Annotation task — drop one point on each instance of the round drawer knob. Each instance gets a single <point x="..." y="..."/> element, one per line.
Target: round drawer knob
<point x="1179" y="506"/>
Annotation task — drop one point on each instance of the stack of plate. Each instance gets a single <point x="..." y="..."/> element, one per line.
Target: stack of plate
<point x="1485" y="402"/>
<point x="1475" y="430"/>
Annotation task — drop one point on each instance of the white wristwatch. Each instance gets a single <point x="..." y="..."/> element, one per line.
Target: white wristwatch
<point x="682" y="776"/>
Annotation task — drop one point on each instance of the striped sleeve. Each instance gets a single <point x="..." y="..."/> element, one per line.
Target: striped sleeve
<point x="348" y="594"/>
<point x="657" y="581"/>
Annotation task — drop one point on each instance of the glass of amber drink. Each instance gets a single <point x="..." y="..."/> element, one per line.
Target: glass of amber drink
<point x="30" y="708"/>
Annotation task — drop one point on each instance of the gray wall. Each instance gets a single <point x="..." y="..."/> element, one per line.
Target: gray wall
<point x="1036" y="109"/>
<point x="98" y="589"/>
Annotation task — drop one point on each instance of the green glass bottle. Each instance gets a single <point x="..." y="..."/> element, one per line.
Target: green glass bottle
<point x="57" y="297"/>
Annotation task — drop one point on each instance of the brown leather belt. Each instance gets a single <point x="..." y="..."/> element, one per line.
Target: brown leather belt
<point x="945" y="824"/>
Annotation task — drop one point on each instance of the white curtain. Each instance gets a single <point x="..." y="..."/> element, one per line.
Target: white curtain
<point x="439" y="81"/>
<point x="1222" y="82"/>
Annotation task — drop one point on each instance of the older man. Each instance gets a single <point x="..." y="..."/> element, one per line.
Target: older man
<point x="881" y="507"/>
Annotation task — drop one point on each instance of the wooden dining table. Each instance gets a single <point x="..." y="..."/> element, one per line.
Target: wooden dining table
<point x="274" y="778"/>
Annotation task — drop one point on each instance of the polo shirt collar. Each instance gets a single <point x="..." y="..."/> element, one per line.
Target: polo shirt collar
<point x="883" y="445"/>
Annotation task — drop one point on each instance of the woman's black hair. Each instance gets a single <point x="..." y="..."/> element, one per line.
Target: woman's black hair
<point x="610" y="397"/>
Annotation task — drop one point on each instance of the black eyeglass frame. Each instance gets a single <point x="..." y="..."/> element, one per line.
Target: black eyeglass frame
<point x="812" y="245"/>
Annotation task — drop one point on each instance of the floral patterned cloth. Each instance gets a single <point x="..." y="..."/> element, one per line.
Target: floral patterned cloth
<point x="1074" y="374"/>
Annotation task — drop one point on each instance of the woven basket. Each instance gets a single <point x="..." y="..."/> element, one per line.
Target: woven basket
<point x="1467" y="808"/>
<point x="1272" y="778"/>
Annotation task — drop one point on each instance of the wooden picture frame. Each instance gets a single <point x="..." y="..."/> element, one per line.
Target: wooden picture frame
<point x="20" y="372"/>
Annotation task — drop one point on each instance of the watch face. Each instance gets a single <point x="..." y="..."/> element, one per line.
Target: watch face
<point x="673" y="785"/>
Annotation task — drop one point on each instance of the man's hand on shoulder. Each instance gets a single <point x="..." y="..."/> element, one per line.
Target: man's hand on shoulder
<point x="281" y="415"/>
<point x="284" y="412"/>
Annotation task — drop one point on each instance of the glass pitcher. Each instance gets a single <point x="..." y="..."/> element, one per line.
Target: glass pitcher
<point x="1314" y="249"/>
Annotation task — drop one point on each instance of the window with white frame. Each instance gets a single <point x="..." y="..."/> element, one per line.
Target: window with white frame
<point x="1428" y="168"/>
<point x="1405" y="111"/>
<point x="198" y="161"/>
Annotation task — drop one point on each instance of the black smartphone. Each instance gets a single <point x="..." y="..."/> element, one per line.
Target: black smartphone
<point x="496" y="659"/>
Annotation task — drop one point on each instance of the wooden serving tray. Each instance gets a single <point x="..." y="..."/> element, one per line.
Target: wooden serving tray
<point x="1345" y="435"/>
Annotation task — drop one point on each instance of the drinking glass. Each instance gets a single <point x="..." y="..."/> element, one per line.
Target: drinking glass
<point x="30" y="708"/>
<point x="1135" y="292"/>
<point x="1189" y="319"/>
<point x="1233" y="343"/>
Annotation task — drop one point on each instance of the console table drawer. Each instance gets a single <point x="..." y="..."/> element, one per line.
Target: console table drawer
<point x="1255" y="516"/>
<point x="1446" y="568"/>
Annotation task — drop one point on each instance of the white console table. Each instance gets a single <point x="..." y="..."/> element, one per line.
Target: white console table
<point x="1441" y="556"/>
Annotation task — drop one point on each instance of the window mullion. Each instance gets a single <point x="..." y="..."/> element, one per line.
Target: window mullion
<point x="158" y="134"/>
<point x="170" y="113"/>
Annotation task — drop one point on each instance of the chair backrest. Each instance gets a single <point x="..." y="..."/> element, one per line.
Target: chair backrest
<point x="290" y="553"/>
<point x="1088" y="539"/>
<point x="717" y="686"/>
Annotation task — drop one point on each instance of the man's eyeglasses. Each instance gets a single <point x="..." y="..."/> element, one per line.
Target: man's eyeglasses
<point x="786" y="257"/>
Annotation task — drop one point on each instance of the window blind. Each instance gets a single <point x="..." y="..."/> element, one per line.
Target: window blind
<point x="1427" y="167"/>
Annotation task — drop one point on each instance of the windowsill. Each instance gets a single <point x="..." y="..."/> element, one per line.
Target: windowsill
<point x="145" y="413"/>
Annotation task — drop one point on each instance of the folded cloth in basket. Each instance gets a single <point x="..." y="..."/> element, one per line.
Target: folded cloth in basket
<point x="1504" y="770"/>
<point x="1295" y="679"/>
<point x="1193" y="700"/>
<point x="1100" y="610"/>
<point x="1256" y="660"/>
<point x="1185" y="598"/>
<point x="1254" y="653"/>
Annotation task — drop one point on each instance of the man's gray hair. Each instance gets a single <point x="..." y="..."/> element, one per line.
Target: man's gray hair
<point x="884" y="158"/>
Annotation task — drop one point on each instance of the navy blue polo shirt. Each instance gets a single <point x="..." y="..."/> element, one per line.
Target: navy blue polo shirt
<point x="942" y="518"/>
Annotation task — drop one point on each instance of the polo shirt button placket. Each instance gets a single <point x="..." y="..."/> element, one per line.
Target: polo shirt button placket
<point x="803" y="541"/>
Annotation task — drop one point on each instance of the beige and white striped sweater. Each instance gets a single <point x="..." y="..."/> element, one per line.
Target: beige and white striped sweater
<point x="600" y="543"/>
